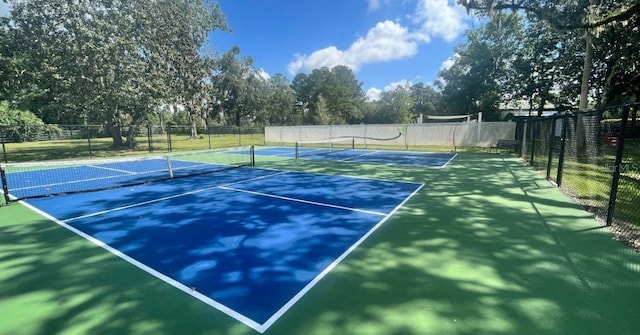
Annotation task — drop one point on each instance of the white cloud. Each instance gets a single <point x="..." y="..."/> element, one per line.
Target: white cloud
<point x="263" y="74"/>
<point x="388" y="40"/>
<point x="385" y="42"/>
<point x="374" y="93"/>
<point x="440" y="18"/>
<point x="396" y="84"/>
<point x="448" y="63"/>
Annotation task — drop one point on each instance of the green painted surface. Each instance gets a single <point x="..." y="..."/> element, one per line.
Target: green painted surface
<point x="486" y="247"/>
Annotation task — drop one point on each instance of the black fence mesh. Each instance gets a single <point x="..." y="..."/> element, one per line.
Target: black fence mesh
<point x="626" y="210"/>
<point x="594" y="157"/>
<point x="50" y="142"/>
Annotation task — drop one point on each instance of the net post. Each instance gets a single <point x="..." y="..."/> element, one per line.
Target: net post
<point x="297" y="149"/>
<point x="252" y="152"/>
<point x="169" y="167"/>
<point x="5" y="187"/>
<point x="353" y="143"/>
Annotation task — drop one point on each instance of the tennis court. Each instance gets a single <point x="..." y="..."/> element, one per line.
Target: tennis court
<point x="247" y="242"/>
<point x="483" y="245"/>
<point x="348" y="154"/>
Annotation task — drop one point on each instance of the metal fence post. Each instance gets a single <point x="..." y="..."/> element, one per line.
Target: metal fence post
<point x="5" y="187"/>
<point x="89" y="141"/>
<point x="617" y="167"/>
<point x="563" y="141"/>
<point x="552" y="141"/>
<point x="169" y="138"/>
<point x="4" y="149"/>
<point x="534" y="137"/>
<point x="150" y="137"/>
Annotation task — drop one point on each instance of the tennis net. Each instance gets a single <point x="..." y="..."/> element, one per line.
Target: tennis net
<point x="324" y="147"/>
<point x="34" y="180"/>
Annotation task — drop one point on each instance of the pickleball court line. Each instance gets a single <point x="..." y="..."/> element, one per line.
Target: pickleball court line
<point x="207" y="300"/>
<point x="449" y="161"/>
<point x="138" y="204"/>
<point x="110" y="169"/>
<point x="315" y="203"/>
<point x="358" y="156"/>
<point x="333" y="264"/>
<point x="188" y="290"/>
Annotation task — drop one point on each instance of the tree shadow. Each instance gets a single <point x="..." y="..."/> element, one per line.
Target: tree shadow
<point x="486" y="247"/>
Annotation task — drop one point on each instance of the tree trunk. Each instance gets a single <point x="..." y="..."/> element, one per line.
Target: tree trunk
<point x="581" y="135"/>
<point x="194" y="129"/>
<point x="116" y="134"/>
<point x="586" y="71"/>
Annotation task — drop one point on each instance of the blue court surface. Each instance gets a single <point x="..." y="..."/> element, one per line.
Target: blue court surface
<point x="249" y="242"/>
<point x="410" y="158"/>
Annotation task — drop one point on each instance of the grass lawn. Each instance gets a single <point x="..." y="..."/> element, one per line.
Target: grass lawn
<point x="103" y="147"/>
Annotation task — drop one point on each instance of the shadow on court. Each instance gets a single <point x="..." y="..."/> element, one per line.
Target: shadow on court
<point x="486" y="247"/>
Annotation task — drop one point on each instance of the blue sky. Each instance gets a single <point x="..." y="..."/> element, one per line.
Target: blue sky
<point x="385" y="42"/>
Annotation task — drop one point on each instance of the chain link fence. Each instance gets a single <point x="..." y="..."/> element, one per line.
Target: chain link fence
<point x="594" y="157"/>
<point x="26" y="143"/>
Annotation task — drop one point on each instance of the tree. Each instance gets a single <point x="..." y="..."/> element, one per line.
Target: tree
<point x="107" y="61"/>
<point x="339" y="87"/>
<point x="483" y="68"/>
<point x="588" y="16"/>
<point x="20" y="125"/>
<point x="319" y="114"/>
<point x="344" y="96"/>
<point x="617" y="63"/>
<point x="279" y="108"/>
<point x="181" y="55"/>
<point x="425" y="100"/>
<point x="396" y="105"/>
<point x="242" y="92"/>
<point x="303" y="87"/>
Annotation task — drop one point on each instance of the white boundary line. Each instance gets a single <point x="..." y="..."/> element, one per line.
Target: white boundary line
<point x="449" y="161"/>
<point x="224" y="309"/>
<point x="331" y="266"/>
<point x="166" y="198"/>
<point x="110" y="169"/>
<point x="345" y="176"/>
<point x="261" y="328"/>
<point x="126" y="173"/>
<point x="410" y="153"/>
<point x="358" y="156"/>
<point x="321" y="204"/>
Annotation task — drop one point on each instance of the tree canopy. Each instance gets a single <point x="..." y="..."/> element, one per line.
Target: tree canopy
<point x="106" y="61"/>
<point x="517" y="55"/>
<point x="601" y="22"/>
<point x="125" y="64"/>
